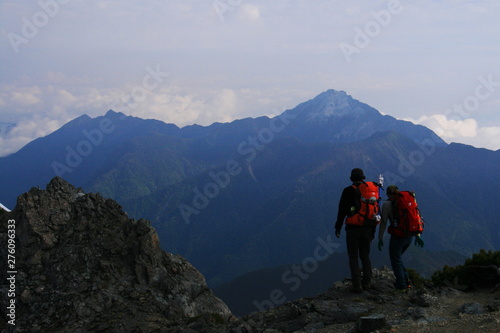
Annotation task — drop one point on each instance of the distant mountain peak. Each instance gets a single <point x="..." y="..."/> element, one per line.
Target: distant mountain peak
<point x="114" y="114"/>
<point x="335" y="116"/>
<point x="332" y="93"/>
<point x="332" y="104"/>
<point x="77" y="122"/>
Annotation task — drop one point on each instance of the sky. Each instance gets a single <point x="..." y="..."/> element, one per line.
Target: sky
<point x="435" y="63"/>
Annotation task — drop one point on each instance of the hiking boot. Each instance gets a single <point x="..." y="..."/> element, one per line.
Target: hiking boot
<point x="408" y="284"/>
<point x="402" y="289"/>
<point x="355" y="286"/>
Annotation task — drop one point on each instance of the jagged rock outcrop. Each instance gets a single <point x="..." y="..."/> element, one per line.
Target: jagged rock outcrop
<point x="83" y="265"/>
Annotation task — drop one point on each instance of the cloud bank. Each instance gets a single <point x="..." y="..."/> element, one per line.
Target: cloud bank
<point x="465" y="131"/>
<point x="233" y="59"/>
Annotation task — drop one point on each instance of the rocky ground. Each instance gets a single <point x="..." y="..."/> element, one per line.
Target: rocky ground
<point x="448" y="316"/>
<point x="384" y="309"/>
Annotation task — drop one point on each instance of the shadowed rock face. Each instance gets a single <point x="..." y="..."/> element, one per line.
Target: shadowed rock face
<point x="83" y="265"/>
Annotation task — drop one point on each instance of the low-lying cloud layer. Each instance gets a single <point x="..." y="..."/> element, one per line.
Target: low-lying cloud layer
<point x="215" y="61"/>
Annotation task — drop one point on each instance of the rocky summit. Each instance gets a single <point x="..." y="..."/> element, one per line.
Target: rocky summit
<point x="382" y="309"/>
<point x="79" y="264"/>
<point x="83" y="266"/>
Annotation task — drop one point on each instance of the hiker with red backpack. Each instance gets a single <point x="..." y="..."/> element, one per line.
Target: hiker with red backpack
<point x="401" y="209"/>
<point x="359" y="206"/>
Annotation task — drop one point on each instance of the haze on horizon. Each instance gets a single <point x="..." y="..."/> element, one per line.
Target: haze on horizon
<point x="185" y="62"/>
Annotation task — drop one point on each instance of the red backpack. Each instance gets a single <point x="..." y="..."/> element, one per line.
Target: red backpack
<point x="407" y="218"/>
<point x="367" y="209"/>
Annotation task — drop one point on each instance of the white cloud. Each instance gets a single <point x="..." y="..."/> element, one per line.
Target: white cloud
<point x="449" y="128"/>
<point x="464" y="131"/>
<point x="171" y="107"/>
<point x="488" y="137"/>
<point x="175" y="105"/>
<point x="66" y="98"/>
<point x="26" y="131"/>
<point x="263" y="57"/>
<point x="27" y="96"/>
<point x="250" y="12"/>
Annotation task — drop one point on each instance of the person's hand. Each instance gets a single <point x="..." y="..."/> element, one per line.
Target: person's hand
<point x="337" y="233"/>
<point x="380" y="244"/>
<point x="419" y="241"/>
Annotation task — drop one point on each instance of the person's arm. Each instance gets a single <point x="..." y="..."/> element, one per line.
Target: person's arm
<point x="386" y="215"/>
<point x="344" y="208"/>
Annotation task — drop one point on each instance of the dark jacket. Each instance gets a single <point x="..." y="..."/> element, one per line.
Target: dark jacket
<point x="348" y="199"/>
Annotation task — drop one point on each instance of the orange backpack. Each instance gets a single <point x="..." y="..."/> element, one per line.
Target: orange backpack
<point x="407" y="218"/>
<point x="367" y="209"/>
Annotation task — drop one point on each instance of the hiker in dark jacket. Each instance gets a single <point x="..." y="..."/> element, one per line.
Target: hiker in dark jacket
<point x="358" y="238"/>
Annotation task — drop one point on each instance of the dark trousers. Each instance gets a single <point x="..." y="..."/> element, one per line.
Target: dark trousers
<point x="358" y="247"/>
<point x="398" y="246"/>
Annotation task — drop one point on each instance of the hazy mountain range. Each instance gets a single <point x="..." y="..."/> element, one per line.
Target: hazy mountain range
<point x="262" y="192"/>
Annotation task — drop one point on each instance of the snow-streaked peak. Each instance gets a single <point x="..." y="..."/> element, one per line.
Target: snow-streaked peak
<point x="329" y="104"/>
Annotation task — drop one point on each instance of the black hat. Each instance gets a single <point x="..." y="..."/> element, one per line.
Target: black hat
<point x="392" y="189"/>
<point x="357" y="175"/>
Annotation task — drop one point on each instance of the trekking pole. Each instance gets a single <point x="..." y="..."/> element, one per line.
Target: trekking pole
<point x="380" y="188"/>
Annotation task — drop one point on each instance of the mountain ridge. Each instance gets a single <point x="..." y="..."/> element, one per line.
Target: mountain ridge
<point x="232" y="197"/>
<point x="84" y="136"/>
<point x="334" y="116"/>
